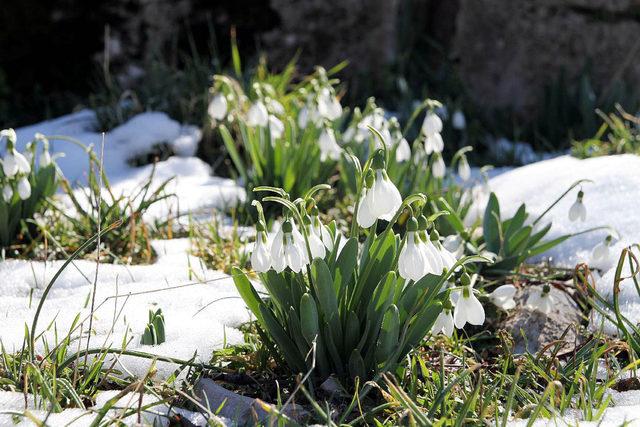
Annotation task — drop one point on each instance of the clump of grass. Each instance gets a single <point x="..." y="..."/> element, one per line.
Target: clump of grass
<point x="618" y="134"/>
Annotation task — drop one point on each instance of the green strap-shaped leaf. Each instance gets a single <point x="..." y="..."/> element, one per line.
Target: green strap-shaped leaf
<point x="388" y="338"/>
<point x="491" y="225"/>
<point x="248" y="293"/>
<point x="286" y="345"/>
<point x="309" y="318"/>
<point x="356" y="365"/>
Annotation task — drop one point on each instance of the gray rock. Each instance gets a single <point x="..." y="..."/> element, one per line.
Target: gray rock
<point x="532" y="330"/>
<point x="241" y="409"/>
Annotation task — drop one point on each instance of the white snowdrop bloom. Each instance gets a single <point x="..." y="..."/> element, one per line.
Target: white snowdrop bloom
<point x="454" y="244"/>
<point x="318" y="249"/>
<point x="578" y="211"/>
<point x="329" y="148"/>
<point x="260" y="257"/>
<point x="431" y="124"/>
<point x="45" y="158"/>
<point x="276" y="127"/>
<point x="502" y="297"/>
<point x="411" y="261"/>
<point x="468" y="309"/>
<point x="433" y="143"/>
<point x="24" y="188"/>
<point x="328" y="105"/>
<point x="458" y="120"/>
<point x="299" y="240"/>
<point x="601" y="254"/>
<point x="303" y="117"/>
<point x="349" y="134"/>
<point x="444" y="323"/>
<point x="384" y="197"/>
<point x="438" y="168"/>
<point x="464" y="170"/>
<point x="448" y="259"/>
<point x="217" y="108"/>
<point x="275" y="107"/>
<point x="285" y="252"/>
<point x="541" y="299"/>
<point x="14" y="163"/>
<point x="258" y="115"/>
<point x="365" y="217"/>
<point x="403" y="151"/>
<point x="321" y="230"/>
<point x="10" y="134"/>
<point x="7" y="192"/>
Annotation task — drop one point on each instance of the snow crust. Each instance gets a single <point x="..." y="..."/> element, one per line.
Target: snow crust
<point x="195" y="187"/>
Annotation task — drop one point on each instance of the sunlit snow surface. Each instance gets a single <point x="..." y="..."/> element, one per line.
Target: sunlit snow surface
<point x="194" y="185"/>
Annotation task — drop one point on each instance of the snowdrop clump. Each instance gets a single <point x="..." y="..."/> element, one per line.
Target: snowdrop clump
<point x="373" y="278"/>
<point x="25" y="183"/>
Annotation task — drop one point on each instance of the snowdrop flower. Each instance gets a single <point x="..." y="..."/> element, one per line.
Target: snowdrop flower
<point x="468" y="309"/>
<point x="276" y="127"/>
<point x="328" y="105"/>
<point x="14" y="163"/>
<point x="438" y="168"/>
<point x="601" y="253"/>
<point x="275" y="107"/>
<point x="454" y="244"/>
<point x="318" y="249"/>
<point x="303" y="117"/>
<point x="217" y="108"/>
<point x="433" y="143"/>
<point x="403" y="151"/>
<point x="320" y="229"/>
<point x="444" y="322"/>
<point x="24" y="188"/>
<point x="411" y="261"/>
<point x="432" y="124"/>
<point x="458" y="121"/>
<point x="432" y="260"/>
<point x="7" y="193"/>
<point x="329" y="148"/>
<point x="541" y="300"/>
<point x="578" y="210"/>
<point x="258" y="115"/>
<point x="260" y="257"/>
<point x="380" y="201"/>
<point x="502" y="297"/>
<point x="285" y="252"/>
<point x="464" y="171"/>
<point x="10" y="134"/>
<point x="447" y="259"/>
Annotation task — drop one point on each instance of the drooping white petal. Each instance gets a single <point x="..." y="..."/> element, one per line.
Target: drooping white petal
<point x="217" y="108"/>
<point x="444" y="323"/>
<point x="403" y="151"/>
<point x="293" y="255"/>
<point x="303" y="117"/>
<point x="258" y="115"/>
<point x="577" y="211"/>
<point x="276" y="107"/>
<point x="411" y="262"/>
<point x="9" y="165"/>
<point x="365" y="216"/>
<point x="502" y="297"/>
<point x="7" y="193"/>
<point x="260" y="257"/>
<point x="386" y="198"/>
<point x="460" y="313"/>
<point x="24" y="188"/>
<point x="475" y="316"/>
<point x="458" y="121"/>
<point x="318" y="249"/>
<point x="464" y="170"/>
<point x="45" y="159"/>
<point x="276" y="127"/>
<point x="431" y="124"/>
<point x="438" y="168"/>
<point x="329" y="148"/>
<point x="433" y="143"/>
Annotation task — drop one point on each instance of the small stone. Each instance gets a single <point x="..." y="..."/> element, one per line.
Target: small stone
<point x="540" y="329"/>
